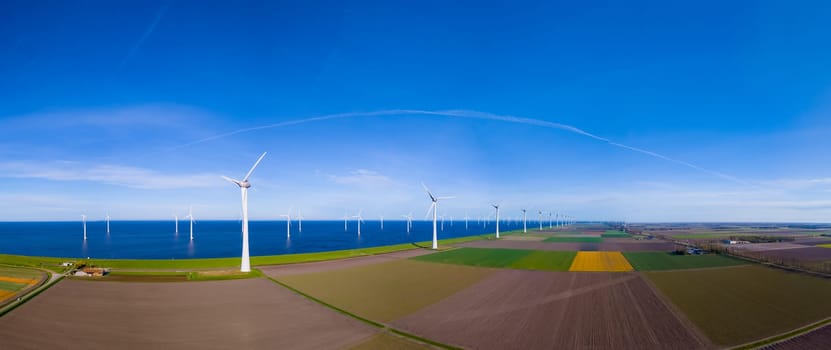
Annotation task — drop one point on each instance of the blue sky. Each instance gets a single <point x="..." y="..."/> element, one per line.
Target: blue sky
<point x="103" y="106"/>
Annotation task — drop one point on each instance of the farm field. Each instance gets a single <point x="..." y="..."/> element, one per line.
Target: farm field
<point x="614" y="234"/>
<point x="329" y="265"/>
<point x="656" y="261"/>
<point x="745" y="303"/>
<point x="600" y="262"/>
<point x="386" y="291"/>
<point x="504" y="258"/>
<point x="388" y="341"/>
<point x="573" y="239"/>
<point x="237" y="314"/>
<point x="14" y="280"/>
<point x="824" y="245"/>
<point x="761" y="247"/>
<point x="514" y="309"/>
<point x="801" y="254"/>
<point x="817" y="339"/>
<point x="630" y="246"/>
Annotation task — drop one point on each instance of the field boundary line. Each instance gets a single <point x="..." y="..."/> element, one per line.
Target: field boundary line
<point x="46" y="284"/>
<point x="674" y="309"/>
<point x="383" y="327"/>
<point x="758" y="344"/>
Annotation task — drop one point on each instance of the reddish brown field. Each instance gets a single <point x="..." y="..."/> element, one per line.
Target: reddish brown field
<point x="238" y="314"/>
<point x="801" y="254"/>
<point x="819" y="339"/>
<point x="763" y="247"/>
<point x="546" y="310"/>
<point x="631" y="246"/>
<point x="320" y="266"/>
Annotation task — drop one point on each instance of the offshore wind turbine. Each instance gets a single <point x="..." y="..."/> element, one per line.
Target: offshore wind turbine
<point x="359" y="219"/>
<point x="176" y="219"/>
<point x="550" y="223"/>
<point x="466" y="221"/>
<point x="345" y="218"/>
<point x="108" y="222"/>
<point x="84" y="220"/>
<point x="442" y="222"/>
<point x="496" y="206"/>
<point x="245" y="264"/>
<point x="190" y="216"/>
<point x="434" y="208"/>
<point x="382" y="222"/>
<point x="524" y="221"/>
<point x="288" y="223"/>
<point x="299" y="222"/>
<point x="540" y="219"/>
<point x="409" y="218"/>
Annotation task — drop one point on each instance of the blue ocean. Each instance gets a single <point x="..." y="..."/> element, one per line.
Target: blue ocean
<point x="214" y="239"/>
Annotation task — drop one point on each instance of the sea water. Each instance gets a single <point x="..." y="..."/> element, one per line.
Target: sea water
<point x="213" y="239"/>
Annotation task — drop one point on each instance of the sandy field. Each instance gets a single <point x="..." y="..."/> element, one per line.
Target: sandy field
<point x="239" y="314"/>
<point x="515" y="309"/>
<point x="632" y="246"/>
<point x="320" y="266"/>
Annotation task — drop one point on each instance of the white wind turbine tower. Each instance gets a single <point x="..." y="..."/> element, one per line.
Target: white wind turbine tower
<point x="299" y="222"/>
<point x="434" y="208"/>
<point x="442" y="222"/>
<point x="496" y="206"/>
<point x="345" y="218"/>
<point x="245" y="265"/>
<point x="176" y="220"/>
<point x="524" y="221"/>
<point x="550" y="223"/>
<point x="466" y="221"/>
<point x="190" y="216"/>
<point x="540" y="219"/>
<point x="409" y="218"/>
<point x="108" y="222"/>
<point x="84" y="220"/>
<point x="288" y="223"/>
<point x="382" y="222"/>
<point x="359" y="219"/>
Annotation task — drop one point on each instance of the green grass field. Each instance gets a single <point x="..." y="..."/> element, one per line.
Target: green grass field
<point x="504" y="258"/>
<point x="545" y="260"/>
<point x="657" y="261"/>
<point x="741" y="304"/>
<point x="615" y="234"/>
<point x="573" y="239"/>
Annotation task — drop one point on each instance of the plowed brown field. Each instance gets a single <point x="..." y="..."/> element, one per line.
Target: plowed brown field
<point x="548" y="310"/>
<point x="240" y="314"/>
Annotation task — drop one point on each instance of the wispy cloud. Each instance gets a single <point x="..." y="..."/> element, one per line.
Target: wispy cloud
<point x="800" y="183"/>
<point x="146" y="34"/>
<point x="118" y="175"/>
<point x="362" y="177"/>
<point x="476" y="115"/>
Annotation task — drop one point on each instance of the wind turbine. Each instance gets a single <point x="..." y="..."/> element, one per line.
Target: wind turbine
<point x="540" y="219"/>
<point x="176" y="219"/>
<point x="288" y="223"/>
<point x="359" y="219"/>
<point x="409" y="218"/>
<point x="245" y="265"/>
<point x="108" y="222"/>
<point x="84" y="220"/>
<point x="466" y="221"/>
<point x="344" y="221"/>
<point x="299" y="222"/>
<point x="434" y="208"/>
<point x="550" y="223"/>
<point x="382" y="222"/>
<point x="496" y="206"/>
<point x="190" y="216"/>
<point x="524" y="221"/>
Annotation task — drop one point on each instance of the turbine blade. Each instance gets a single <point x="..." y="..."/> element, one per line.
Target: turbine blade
<point x="447" y="197"/>
<point x="230" y="180"/>
<point x="428" y="192"/>
<point x="432" y="206"/>
<point x="252" y="168"/>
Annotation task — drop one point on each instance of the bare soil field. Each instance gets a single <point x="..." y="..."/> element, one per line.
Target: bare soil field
<point x="384" y="292"/>
<point x="631" y="246"/>
<point x="818" y="339"/>
<point x="812" y="240"/>
<point x="546" y="310"/>
<point x="320" y="266"/>
<point x="239" y="314"/>
<point x="762" y="247"/>
<point x="801" y="254"/>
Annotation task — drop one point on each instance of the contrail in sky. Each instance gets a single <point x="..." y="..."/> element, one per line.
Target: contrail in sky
<point x="146" y="34"/>
<point x="473" y="115"/>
